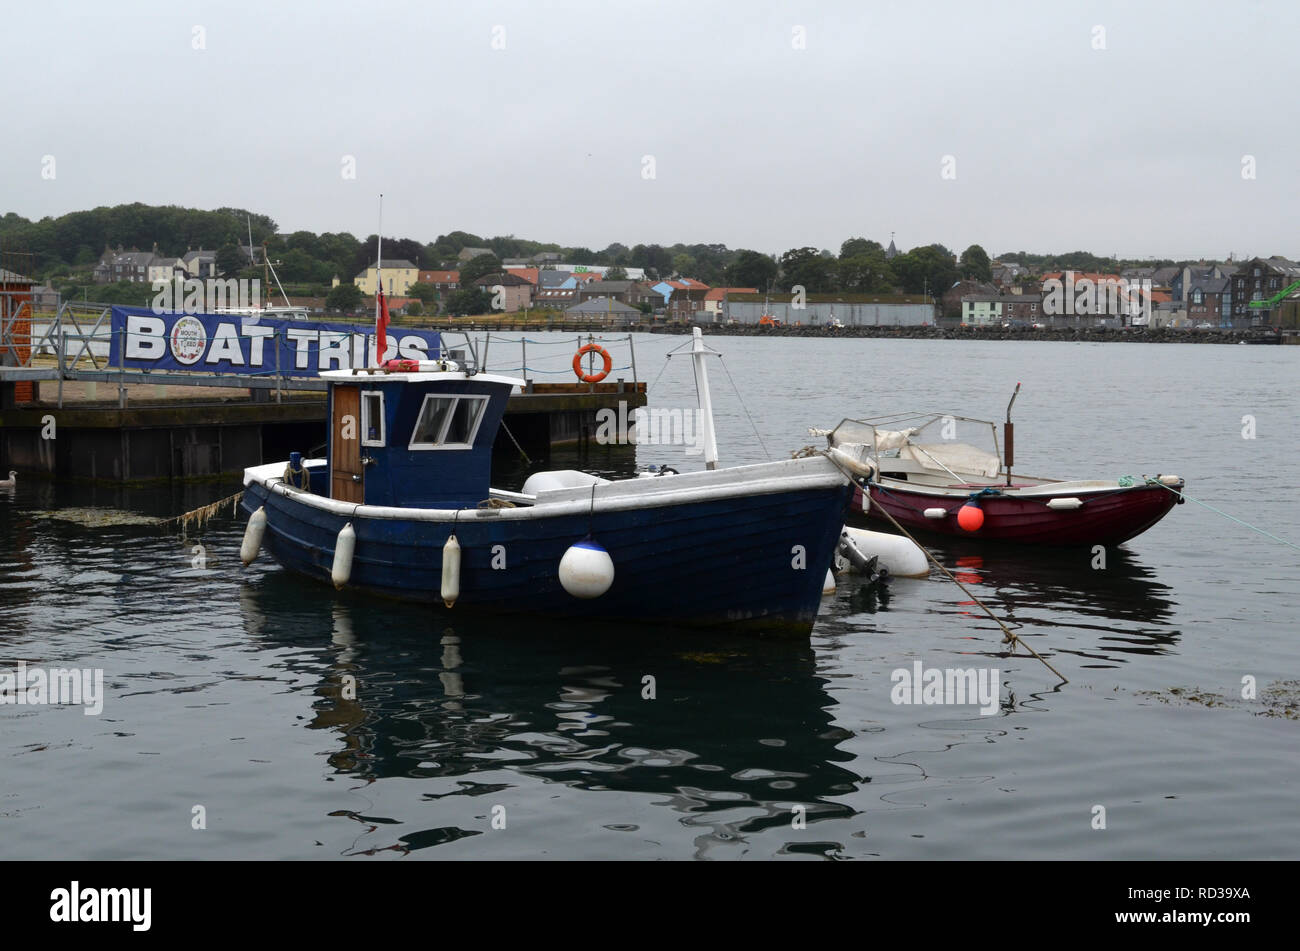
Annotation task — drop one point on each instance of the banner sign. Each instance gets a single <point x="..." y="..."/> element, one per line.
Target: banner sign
<point x="230" y="343"/>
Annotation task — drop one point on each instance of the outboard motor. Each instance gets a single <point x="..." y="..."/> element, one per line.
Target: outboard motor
<point x="856" y="558"/>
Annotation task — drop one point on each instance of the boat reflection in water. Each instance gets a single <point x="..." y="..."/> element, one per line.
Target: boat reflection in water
<point x="731" y="732"/>
<point x="1104" y="612"/>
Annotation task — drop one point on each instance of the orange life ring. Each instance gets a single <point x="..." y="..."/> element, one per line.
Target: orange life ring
<point x="592" y="377"/>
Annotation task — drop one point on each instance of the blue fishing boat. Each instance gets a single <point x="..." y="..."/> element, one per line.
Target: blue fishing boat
<point x="402" y="507"/>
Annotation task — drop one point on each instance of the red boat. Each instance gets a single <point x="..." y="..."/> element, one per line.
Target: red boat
<point x="932" y="476"/>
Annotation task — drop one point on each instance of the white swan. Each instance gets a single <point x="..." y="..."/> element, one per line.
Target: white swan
<point x="10" y="482"/>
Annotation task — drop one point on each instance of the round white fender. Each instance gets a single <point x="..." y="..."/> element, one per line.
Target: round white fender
<point x="253" y="532"/>
<point x="344" y="547"/>
<point x="450" y="571"/>
<point x="901" y="556"/>
<point x="586" y="570"/>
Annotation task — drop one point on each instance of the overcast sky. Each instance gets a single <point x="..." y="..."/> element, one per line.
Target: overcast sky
<point x="771" y="125"/>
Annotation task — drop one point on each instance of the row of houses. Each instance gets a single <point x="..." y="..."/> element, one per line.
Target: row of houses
<point x="1203" y="296"/>
<point x="525" y="287"/>
<point x="145" y="267"/>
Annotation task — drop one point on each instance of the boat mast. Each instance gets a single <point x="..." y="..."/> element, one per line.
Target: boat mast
<point x="268" y="271"/>
<point x="1009" y="437"/>
<point x="379" y="275"/>
<point x="698" y="353"/>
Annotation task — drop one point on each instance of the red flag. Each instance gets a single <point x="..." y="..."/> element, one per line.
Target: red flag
<point x="381" y="325"/>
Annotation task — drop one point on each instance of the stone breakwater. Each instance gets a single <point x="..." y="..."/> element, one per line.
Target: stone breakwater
<point x="1089" y="334"/>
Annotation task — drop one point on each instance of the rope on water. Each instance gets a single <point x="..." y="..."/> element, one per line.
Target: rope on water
<point x="1181" y="494"/>
<point x="1008" y="636"/>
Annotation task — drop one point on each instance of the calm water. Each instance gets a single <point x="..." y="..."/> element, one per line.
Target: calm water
<point x="223" y="685"/>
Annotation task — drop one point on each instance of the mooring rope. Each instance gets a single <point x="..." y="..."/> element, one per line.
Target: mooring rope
<point x="515" y="441"/>
<point x="1009" y="636"/>
<point x="1233" y="518"/>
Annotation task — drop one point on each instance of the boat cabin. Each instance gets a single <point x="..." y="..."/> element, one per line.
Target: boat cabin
<point x="414" y="434"/>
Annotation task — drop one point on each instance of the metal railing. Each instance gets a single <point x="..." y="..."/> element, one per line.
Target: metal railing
<point x="560" y="363"/>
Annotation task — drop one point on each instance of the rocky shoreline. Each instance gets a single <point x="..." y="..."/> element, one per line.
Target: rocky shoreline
<point x="1088" y="334"/>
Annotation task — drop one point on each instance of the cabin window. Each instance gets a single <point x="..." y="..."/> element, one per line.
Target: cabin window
<point x="448" y="422"/>
<point x="372" y="418"/>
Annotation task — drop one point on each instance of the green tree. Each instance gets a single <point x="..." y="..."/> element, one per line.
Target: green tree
<point x="415" y="309"/>
<point x="654" y="259"/>
<point x="477" y="266"/>
<point x="751" y="269"/>
<point x="616" y="273"/>
<point x="616" y="253"/>
<point x="426" y="293"/>
<point x="230" y="259"/>
<point x="343" y="299"/>
<point x="683" y="265"/>
<point x="807" y="268"/>
<point x="857" y="246"/>
<point x="865" y="273"/>
<point x="928" y="270"/>
<point x="469" y="300"/>
<point x="974" y="264"/>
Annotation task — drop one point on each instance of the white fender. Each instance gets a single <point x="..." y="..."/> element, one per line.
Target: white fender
<point x="344" y="548"/>
<point x="450" y="571"/>
<point x="253" y="533"/>
<point x="586" y="570"/>
<point x="903" y="557"/>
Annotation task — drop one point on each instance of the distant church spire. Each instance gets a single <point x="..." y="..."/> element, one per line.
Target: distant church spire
<point x="891" y="252"/>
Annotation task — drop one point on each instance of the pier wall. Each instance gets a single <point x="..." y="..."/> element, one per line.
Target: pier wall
<point x="188" y="440"/>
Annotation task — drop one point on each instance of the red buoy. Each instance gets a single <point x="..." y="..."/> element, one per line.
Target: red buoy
<point x="970" y="517"/>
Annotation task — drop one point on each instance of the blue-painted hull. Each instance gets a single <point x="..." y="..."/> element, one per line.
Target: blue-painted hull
<point x="730" y="561"/>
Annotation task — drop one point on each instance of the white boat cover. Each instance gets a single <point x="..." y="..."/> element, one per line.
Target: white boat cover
<point x="889" y="439"/>
<point x="957" y="456"/>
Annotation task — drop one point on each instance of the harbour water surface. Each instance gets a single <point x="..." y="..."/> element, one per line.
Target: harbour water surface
<point x="230" y="689"/>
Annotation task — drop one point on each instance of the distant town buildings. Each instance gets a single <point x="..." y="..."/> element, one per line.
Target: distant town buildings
<point x="145" y="267"/>
<point x="1240" y="295"/>
<point x="1267" y="281"/>
<point x="516" y="292"/>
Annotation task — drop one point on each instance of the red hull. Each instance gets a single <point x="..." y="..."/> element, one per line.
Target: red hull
<point x="1107" y="516"/>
